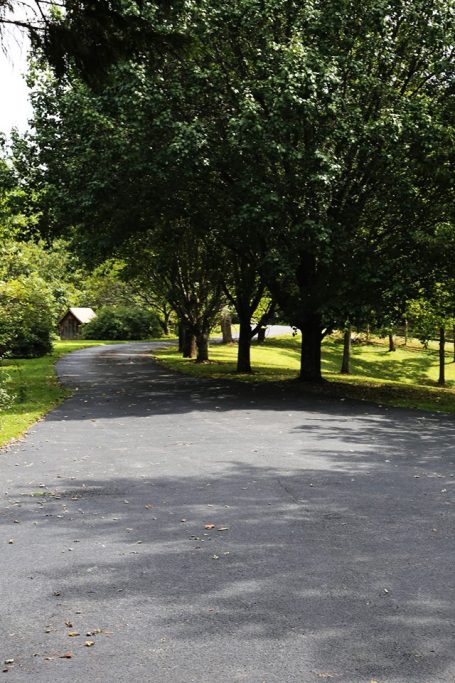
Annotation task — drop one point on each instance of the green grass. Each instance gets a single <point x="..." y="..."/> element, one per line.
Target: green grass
<point x="34" y="383"/>
<point x="406" y="377"/>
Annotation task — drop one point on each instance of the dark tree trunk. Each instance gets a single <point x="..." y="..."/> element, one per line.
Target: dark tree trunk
<point x="310" y="363"/>
<point x="189" y="343"/>
<point x="244" y="350"/>
<point x="442" y="356"/>
<point x="391" y="342"/>
<point x="406" y="331"/>
<point x="453" y="333"/>
<point x="226" y="328"/>
<point x="181" y="331"/>
<point x="261" y="335"/>
<point x="202" y="343"/>
<point x="346" y="350"/>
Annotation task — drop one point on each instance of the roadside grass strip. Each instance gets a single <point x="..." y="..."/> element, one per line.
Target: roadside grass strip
<point x="35" y="387"/>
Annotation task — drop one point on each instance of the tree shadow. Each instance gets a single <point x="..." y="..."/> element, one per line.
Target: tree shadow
<point x="334" y="559"/>
<point x="332" y="538"/>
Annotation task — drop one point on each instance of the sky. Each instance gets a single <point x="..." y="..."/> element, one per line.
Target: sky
<point x="15" y="109"/>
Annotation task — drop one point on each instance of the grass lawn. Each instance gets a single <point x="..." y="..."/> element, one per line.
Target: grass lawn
<point x="34" y="383"/>
<point x="406" y="377"/>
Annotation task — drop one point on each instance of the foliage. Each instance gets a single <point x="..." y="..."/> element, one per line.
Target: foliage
<point x="105" y="286"/>
<point x="429" y="313"/>
<point x="26" y="320"/>
<point x="315" y="137"/>
<point x="122" y="323"/>
<point x="52" y="263"/>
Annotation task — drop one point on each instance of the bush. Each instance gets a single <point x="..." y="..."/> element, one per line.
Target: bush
<point x="26" y="317"/>
<point x="121" y="323"/>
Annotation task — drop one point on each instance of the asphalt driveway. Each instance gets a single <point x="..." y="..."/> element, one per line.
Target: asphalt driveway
<point x="203" y="531"/>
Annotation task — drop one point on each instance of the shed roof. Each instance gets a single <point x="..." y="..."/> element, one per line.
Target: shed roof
<point x="84" y="315"/>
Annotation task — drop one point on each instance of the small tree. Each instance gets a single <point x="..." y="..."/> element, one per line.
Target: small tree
<point x="432" y="316"/>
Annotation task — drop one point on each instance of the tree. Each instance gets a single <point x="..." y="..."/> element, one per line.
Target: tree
<point x="91" y="36"/>
<point x="245" y="290"/>
<point x="305" y="136"/>
<point x="186" y="265"/>
<point x="432" y="315"/>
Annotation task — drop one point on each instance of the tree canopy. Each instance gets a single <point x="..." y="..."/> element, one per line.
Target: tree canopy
<point x="316" y="137"/>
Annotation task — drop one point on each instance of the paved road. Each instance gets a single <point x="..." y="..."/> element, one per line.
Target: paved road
<point x="331" y="557"/>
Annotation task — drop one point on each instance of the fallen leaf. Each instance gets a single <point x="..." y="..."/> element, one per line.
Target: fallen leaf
<point x="89" y="643"/>
<point x="9" y="661"/>
<point x="69" y="624"/>
<point x="149" y="506"/>
<point x="215" y="557"/>
<point x="73" y="634"/>
<point x="66" y="655"/>
<point x="209" y="526"/>
<point x="223" y="528"/>
<point x="11" y="541"/>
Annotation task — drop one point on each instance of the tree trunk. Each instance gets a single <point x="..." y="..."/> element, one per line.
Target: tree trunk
<point x="244" y="350"/>
<point x="181" y="331"/>
<point x="202" y="343"/>
<point x="391" y="342"/>
<point x="453" y="332"/>
<point x="165" y="323"/>
<point x="310" y="362"/>
<point x="189" y="343"/>
<point x="226" y="328"/>
<point x="346" y="350"/>
<point x="261" y="335"/>
<point x="442" y="356"/>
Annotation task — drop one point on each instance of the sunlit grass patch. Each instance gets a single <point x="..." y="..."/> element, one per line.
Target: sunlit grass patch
<point x="406" y="377"/>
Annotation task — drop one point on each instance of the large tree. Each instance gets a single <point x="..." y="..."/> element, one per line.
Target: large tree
<point x="304" y="128"/>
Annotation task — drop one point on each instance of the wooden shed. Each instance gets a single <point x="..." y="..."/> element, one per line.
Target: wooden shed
<point x="69" y="326"/>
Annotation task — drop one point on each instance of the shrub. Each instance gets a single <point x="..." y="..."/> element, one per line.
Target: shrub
<point x="26" y="317"/>
<point x="121" y="323"/>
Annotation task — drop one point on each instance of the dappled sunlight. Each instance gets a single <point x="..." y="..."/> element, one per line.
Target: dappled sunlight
<point x="174" y="512"/>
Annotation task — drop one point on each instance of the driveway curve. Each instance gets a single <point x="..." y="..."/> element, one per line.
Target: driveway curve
<point x="155" y="527"/>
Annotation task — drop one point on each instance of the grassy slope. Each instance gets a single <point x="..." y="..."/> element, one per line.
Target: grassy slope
<point x="406" y="377"/>
<point x="37" y="390"/>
